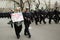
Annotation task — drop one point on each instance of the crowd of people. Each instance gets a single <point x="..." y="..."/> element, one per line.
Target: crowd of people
<point x="42" y="15"/>
<point x="18" y="25"/>
<point x="31" y="16"/>
<point x="37" y="16"/>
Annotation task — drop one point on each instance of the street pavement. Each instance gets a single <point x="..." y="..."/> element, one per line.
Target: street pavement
<point x="38" y="32"/>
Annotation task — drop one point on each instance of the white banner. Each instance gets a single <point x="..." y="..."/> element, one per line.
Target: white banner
<point x="17" y="17"/>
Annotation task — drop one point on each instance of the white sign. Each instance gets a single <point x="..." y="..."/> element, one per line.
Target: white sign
<point x="17" y="17"/>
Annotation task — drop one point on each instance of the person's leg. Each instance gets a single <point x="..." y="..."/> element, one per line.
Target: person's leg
<point x="20" y="28"/>
<point x="57" y="20"/>
<point x="40" y="20"/>
<point x="44" y="21"/>
<point x="25" y="33"/>
<point x="36" y="22"/>
<point x="50" y="21"/>
<point x="16" y="31"/>
<point x="12" y="25"/>
<point x="27" y="30"/>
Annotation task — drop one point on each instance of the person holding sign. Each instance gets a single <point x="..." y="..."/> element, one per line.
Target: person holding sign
<point x="16" y="18"/>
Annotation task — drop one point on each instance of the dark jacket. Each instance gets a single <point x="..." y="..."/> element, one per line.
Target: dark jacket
<point x="27" y="17"/>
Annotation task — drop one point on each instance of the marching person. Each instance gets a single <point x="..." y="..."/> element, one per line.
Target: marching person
<point x="56" y="13"/>
<point x="10" y="22"/>
<point x="42" y="16"/>
<point x="50" y="15"/>
<point x="18" y="25"/>
<point x="27" y="22"/>
<point x="36" y="16"/>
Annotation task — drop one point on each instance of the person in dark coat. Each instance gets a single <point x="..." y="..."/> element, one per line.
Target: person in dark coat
<point x="56" y="13"/>
<point x="32" y="15"/>
<point x="42" y="16"/>
<point x="50" y="15"/>
<point x="36" y="17"/>
<point x="59" y="16"/>
<point x="27" y="22"/>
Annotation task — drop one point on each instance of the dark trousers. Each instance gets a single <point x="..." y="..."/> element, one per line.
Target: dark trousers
<point x="42" y="19"/>
<point x="17" y="29"/>
<point x="59" y="19"/>
<point x="11" y="25"/>
<point x="56" y="20"/>
<point x="50" y="20"/>
<point x="10" y="22"/>
<point x="26" y="31"/>
<point x="36" y="21"/>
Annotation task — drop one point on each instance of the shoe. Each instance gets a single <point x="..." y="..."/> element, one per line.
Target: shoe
<point x="49" y="23"/>
<point x="29" y="36"/>
<point x="25" y="34"/>
<point x="40" y="22"/>
<point x="45" y="23"/>
<point x="18" y="36"/>
<point x="36" y="24"/>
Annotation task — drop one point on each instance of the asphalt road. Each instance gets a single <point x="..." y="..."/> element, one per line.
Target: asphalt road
<point x="38" y="32"/>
